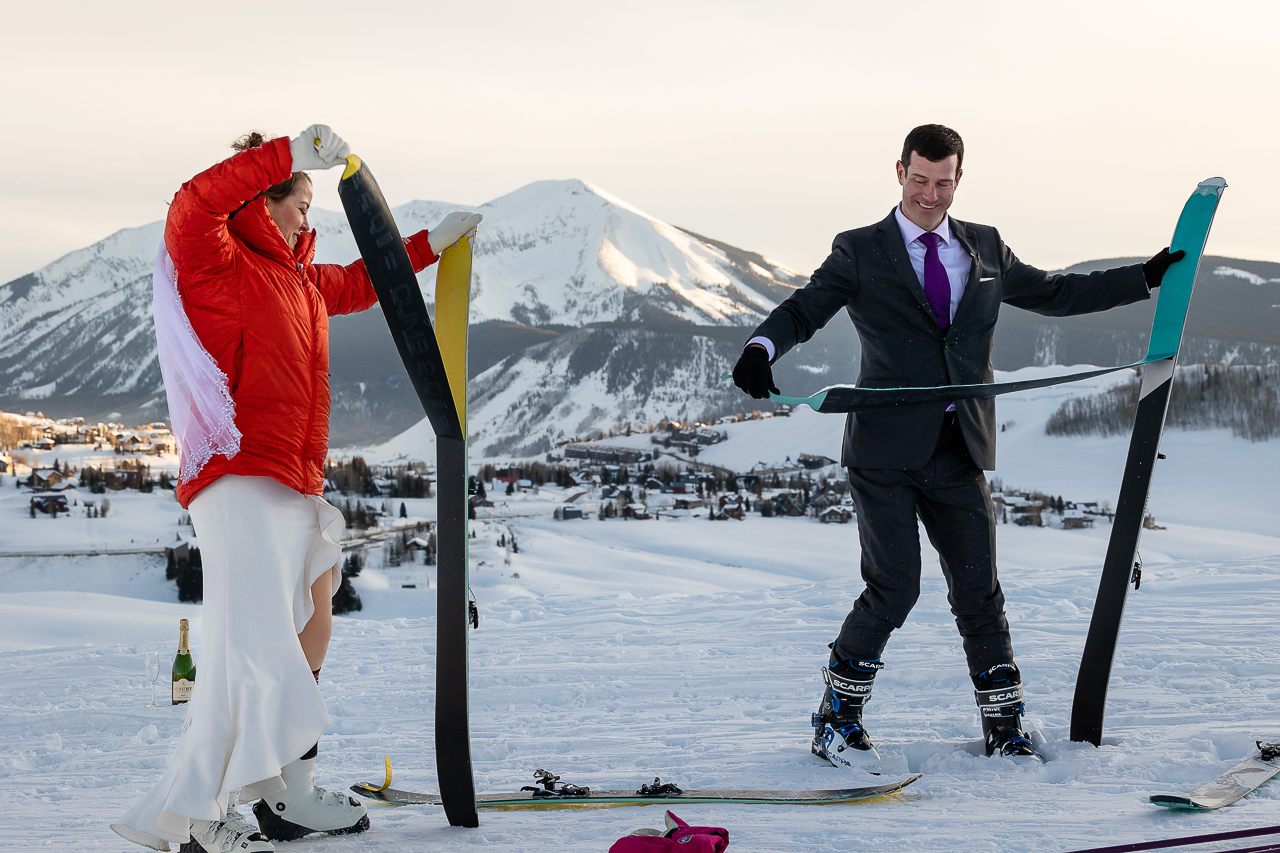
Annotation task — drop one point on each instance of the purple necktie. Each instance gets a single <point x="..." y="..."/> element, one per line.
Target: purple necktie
<point x="936" y="284"/>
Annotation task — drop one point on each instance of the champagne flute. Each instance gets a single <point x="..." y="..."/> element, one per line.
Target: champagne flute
<point x="152" y="662"/>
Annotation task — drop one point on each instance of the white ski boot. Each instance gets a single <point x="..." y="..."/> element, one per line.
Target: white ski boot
<point x="302" y="808"/>
<point x="232" y="834"/>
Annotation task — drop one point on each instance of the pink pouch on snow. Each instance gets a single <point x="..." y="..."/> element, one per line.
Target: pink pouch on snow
<point x="679" y="838"/>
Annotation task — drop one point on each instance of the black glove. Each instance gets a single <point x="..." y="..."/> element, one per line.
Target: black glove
<point x="752" y="373"/>
<point x="1153" y="270"/>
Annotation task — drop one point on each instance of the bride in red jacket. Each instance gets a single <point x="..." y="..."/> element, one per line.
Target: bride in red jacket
<point x="242" y="317"/>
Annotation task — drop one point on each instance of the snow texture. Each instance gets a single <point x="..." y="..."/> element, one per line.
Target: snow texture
<point x="612" y="652"/>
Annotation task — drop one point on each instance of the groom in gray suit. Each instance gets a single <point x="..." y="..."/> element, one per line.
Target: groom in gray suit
<point x="924" y="291"/>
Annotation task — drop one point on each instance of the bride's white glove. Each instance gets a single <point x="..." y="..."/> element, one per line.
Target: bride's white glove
<point x="318" y="147"/>
<point x="454" y="227"/>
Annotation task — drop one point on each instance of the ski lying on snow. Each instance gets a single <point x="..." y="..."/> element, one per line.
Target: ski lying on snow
<point x="1241" y="780"/>
<point x="548" y="793"/>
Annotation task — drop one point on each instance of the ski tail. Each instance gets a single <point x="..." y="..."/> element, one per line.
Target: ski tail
<point x="1118" y="570"/>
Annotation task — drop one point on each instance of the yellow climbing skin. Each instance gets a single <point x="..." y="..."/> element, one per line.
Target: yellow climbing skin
<point x="353" y="165"/>
<point x="453" y="298"/>
<point x="386" y="783"/>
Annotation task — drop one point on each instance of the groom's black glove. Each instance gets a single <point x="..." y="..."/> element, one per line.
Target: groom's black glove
<point x="752" y="373"/>
<point x="1153" y="270"/>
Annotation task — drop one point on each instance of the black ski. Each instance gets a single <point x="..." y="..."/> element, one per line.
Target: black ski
<point x="392" y="275"/>
<point x="1119" y="569"/>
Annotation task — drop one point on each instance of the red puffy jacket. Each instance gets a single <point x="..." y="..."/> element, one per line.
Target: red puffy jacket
<point x="262" y="311"/>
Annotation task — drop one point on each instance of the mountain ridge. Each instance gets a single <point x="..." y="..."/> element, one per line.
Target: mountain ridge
<point x="560" y="266"/>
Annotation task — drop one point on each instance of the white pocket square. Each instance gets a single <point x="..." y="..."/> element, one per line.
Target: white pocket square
<point x="981" y="280"/>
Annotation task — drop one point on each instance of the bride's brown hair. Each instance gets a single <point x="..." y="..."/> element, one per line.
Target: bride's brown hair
<point x="285" y="188"/>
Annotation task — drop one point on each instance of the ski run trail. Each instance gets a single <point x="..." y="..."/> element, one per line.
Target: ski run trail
<point x="613" y="652"/>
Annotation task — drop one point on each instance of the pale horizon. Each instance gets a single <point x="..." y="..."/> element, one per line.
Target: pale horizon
<point x="770" y="129"/>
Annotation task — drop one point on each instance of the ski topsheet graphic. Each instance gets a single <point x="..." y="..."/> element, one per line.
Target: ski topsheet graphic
<point x="1190" y="235"/>
<point x="1241" y="780"/>
<point x="550" y="793"/>
<point x="437" y="369"/>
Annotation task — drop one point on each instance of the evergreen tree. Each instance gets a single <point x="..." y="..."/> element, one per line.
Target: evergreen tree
<point x="346" y="599"/>
<point x="191" y="578"/>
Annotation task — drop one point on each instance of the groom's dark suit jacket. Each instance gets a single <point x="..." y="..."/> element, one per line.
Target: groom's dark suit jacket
<point x="869" y="274"/>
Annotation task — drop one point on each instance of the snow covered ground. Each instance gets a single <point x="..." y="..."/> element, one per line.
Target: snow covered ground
<point x="626" y="650"/>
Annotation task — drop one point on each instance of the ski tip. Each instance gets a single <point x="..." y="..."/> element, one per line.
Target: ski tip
<point x="1212" y="186"/>
<point x="353" y="166"/>
<point x="815" y="402"/>
<point x="1176" y="802"/>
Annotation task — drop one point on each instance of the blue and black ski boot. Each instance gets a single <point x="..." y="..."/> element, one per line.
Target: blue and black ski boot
<point x="999" y="694"/>
<point x="839" y="735"/>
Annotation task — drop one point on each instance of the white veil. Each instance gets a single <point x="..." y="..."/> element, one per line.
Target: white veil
<point x="200" y="405"/>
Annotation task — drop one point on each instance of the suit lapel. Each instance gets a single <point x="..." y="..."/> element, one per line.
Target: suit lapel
<point x="966" y="239"/>
<point x="889" y="236"/>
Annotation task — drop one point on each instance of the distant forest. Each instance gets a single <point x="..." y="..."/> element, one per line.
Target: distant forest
<point x="1244" y="398"/>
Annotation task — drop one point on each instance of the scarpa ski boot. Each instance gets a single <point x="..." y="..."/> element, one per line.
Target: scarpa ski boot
<point x="302" y="808"/>
<point x="839" y="736"/>
<point x="999" y="694"/>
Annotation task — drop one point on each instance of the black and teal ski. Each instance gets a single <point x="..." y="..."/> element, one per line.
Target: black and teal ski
<point x="1118" y="569"/>
<point x="437" y="369"/>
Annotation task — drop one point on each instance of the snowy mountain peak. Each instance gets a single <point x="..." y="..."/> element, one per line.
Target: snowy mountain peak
<point x="560" y="252"/>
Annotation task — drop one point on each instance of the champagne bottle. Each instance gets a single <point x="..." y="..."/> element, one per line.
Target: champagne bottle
<point x="184" y="668"/>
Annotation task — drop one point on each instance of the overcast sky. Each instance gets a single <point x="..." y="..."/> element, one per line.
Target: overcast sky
<point x="771" y="126"/>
